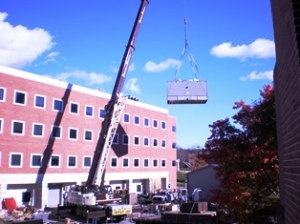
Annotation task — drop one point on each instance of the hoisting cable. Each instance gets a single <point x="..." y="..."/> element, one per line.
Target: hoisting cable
<point x="186" y="49"/>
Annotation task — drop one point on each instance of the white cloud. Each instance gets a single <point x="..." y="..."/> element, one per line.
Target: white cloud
<point x="162" y="66"/>
<point x="19" y="45"/>
<point x="51" y="57"/>
<point x="91" y="78"/>
<point x="254" y="75"/>
<point x="131" y="85"/>
<point x="260" y="48"/>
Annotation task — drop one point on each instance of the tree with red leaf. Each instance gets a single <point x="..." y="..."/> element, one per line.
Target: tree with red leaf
<point x="247" y="158"/>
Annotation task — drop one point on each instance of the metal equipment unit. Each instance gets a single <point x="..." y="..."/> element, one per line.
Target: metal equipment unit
<point x="187" y="92"/>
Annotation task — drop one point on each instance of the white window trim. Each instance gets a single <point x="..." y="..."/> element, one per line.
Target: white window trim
<point x="125" y="122"/>
<point x="93" y="111"/>
<point x="163" y="159"/>
<point x="123" y="136"/>
<point x="85" y="130"/>
<point x="138" y="118"/>
<point x="59" y="165"/>
<point x="21" y="162"/>
<point x="148" y="163"/>
<point x="147" y="126"/>
<point x="12" y="125"/>
<point x="76" y="161"/>
<point x="34" y="102"/>
<point x="53" y="103"/>
<point x="87" y="167"/>
<point x="117" y="137"/>
<point x="4" y="94"/>
<point x="38" y="136"/>
<point x="136" y="167"/>
<point x="153" y="123"/>
<point x="78" y="108"/>
<point x="153" y="142"/>
<point x="161" y="145"/>
<point x="161" y="122"/>
<point x="126" y="167"/>
<point x="35" y="154"/>
<point x="77" y="133"/>
<point x="136" y="136"/>
<point x="1" y="125"/>
<point x="149" y="142"/>
<point x="157" y="160"/>
<point x="25" y="102"/>
<point x="113" y="167"/>
<point x="61" y="131"/>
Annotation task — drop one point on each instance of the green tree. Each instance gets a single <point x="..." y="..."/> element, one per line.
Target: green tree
<point x="247" y="158"/>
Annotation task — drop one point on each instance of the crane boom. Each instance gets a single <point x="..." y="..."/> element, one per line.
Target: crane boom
<point x="114" y="108"/>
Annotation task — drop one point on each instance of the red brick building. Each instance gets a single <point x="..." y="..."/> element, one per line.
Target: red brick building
<point x="286" y="22"/>
<point x="49" y="131"/>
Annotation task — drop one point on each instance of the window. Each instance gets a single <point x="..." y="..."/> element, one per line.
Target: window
<point x="1" y="125"/>
<point x="89" y="111"/>
<point x="163" y="125"/>
<point x="74" y="108"/>
<point x="146" y="162"/>
<point x="18" y="127"/>
<point x="56" y="132"/>
<point x="125" y="139"/>
<point x="155" y="142"/>
<point x="37" y="130"/>
<point x="136" y="162"/>
<point x="88" y="135"/>
<point x="173" y="145"/>
<point x="72" y="161"/>
<point x="87" y="161"/>
<point x="39" y="102"/>
<point x="163" y="143"/>
<point x="102" y="113"/>
<point x="114" y="162"/>
<point x="155" y="163"/>
<point x="146" y="121"/>
<point x="163" y="163"/>
<point x="15" y="160"/>
<point x="125" y="162"/>
<point x="136" y="140"/>
<point x="155" y="123"/>
<point x="126" y="118"/>
<point x="2" y="94"/>
<point x="146" y="141"/>
<point x="55" y="161"/>
<point x="36" y="160"/>
<point x="136" y="120"/>
<point x="73" y="133"/>
<point x="139" y="188"/>
<point x="58" y="105"/>
<point x="116" y="139"/>
<point x="173" y="128"/>
<point x="20" y="98"/>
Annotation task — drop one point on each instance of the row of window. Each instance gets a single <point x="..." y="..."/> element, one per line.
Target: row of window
<point x="16" y="161"/>
<point x="20" y="98"/>
<point x="38" y="129"/>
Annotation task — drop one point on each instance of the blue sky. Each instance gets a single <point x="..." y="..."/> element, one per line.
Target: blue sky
<point x="82" y="42"/>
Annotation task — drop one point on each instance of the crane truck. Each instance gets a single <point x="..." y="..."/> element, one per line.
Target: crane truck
<point x="94" y="195"/>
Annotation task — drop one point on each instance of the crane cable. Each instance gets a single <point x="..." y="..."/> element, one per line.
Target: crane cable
<point x="186" y="49"/>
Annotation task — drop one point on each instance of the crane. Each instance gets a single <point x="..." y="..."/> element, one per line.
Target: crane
<point x="94" y="194"/>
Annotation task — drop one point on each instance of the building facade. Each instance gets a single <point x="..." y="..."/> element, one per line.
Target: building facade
<point x="49" y="131"/>
<point x="286" y="23"/>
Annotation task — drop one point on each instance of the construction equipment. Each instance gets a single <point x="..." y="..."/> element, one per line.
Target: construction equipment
<point x="94" y="195"/>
